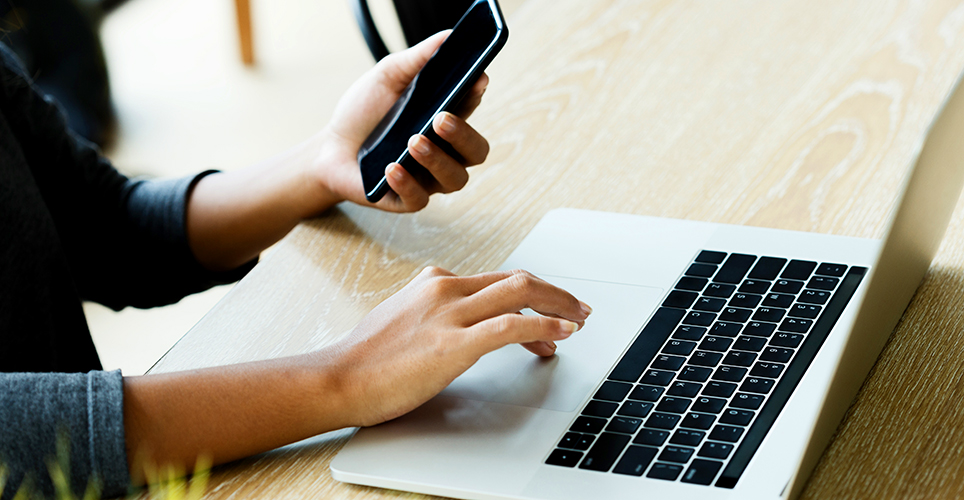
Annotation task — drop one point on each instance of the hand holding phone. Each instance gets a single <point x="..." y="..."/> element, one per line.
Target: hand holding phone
<point x="441" y="85"/>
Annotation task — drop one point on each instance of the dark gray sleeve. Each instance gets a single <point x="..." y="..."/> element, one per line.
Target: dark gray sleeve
<point x="125" y="239"/>
<point x="34" y="407"/>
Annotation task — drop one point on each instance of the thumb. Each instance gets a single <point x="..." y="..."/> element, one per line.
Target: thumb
<point x="400" y="68"/>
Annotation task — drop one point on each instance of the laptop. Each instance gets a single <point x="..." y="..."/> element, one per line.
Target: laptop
<point x="717" y="364"/>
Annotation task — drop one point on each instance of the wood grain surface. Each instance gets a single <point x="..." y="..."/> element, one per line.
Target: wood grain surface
<point x="798" y="114"/>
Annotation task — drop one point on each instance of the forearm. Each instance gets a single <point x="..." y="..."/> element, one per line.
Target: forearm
<point x="226" y="413"/>
<point x="234" y="216"/>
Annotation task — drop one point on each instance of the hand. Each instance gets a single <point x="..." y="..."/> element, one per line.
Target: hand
<point x="418" y="341"/>
<point x="364" y="105"/>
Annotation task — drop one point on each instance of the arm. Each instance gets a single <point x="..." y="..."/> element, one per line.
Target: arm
<point x="233" y="216"/>
<point x="235" y="411"/>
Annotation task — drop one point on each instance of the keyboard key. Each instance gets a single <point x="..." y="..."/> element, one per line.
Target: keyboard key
<point x="590" y="425"/>
<point x="573" y="440"/>
<point x="735" y="268"/>
<point x="757" y="385"/>
<point x="792" y="287"/>
<point x="755" y="286"/>
<point x="767" y="268"/>
<point x="808" y="311"/>
<point x="823" y="283"/>
<point x="687" y="437"/>
<point x="680" y="299"/>
<point x="783" y="339"/>
<point x="564" y="458"/>
<point x="604" y="409"/>
<point x="729" y="373"/>
<point x="718" y="344"/>
<point x="701" y="421"/>
<point x="778" y="354"/>
<point x="709" y="304"/>
<point x="814" y="296"/>
<point x="667" y="362"/>
<point x="735" y="314"/>
<point x="837" y="270"/>
<point x="647" y="344"/>
<point x="747" y="343"/>
<point x="635" y="460"/>
<point x="679" y="454"/>
<point x="603" y="454"/>
<point x="720" y="389"/>
<point x="721" y="290"/>
<point x="715" y="450"/>
<point x="657" y="377"/>
<point x="692" y="284"/>
<point x="688" y="332"/>
<point x="704" y="358"/>
<point x="646" y="393"/>
<point x="727" y="433"/>
<point x="737" y="358"/>
<point x="771" y="314"/>
<point x="699" y="318"/>
<point x="685" y="389"/>
<point x="725" y="329"/>
<point x="651" y="437"/>
<point x="624" y="425"/>
<point x="797" y="325"/>
<point x="770" y="370"/>
<point x="665" y="471"/>
<point x="683" y="347"/>
<point x="709" y="405"/>
<point x="671" y="404"/>
<point x="710" y="257"/>
<point x="662" y="421"/>
<point x="733" y="416"/>
<point x="777" y="300"/>
<point x="798" y="270"/>
<point x="638" y="409"/>
<point x="701" y="270"/>
<point x="747" y="300"/>
<point x="702" y="472"/>
<point x="747" y="401"/>
<point x="613" y="391"/>
<point x="759" y="329"/>
<point x="695" y="373"/>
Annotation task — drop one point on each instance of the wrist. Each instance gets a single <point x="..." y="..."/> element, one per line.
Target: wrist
<point x="321" y="170"/>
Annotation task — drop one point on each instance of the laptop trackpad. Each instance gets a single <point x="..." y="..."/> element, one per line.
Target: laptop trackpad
<point x="513" y="375"/>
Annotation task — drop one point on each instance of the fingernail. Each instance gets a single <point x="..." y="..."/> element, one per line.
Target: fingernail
<point x="551" y="344"/>
<point x="568" y="328"/>
<point x="585" y="308"/>
<point x="445" y="122"/>
<point x="419" y="144"/>
<point x="394" y="171"/>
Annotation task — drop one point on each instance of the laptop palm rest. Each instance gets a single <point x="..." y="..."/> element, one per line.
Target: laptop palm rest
<point x="512" y="375"/>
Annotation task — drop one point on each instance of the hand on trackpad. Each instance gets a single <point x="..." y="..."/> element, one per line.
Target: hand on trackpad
<point x="513" y="375"/>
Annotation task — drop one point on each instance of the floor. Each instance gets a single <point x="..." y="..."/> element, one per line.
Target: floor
<point x="186" y="103"/>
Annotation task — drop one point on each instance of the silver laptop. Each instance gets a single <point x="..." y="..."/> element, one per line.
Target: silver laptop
<point x="718" y="361"/>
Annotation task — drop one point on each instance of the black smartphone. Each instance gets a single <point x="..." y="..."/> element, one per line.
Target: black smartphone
<point x="440" y="85"/>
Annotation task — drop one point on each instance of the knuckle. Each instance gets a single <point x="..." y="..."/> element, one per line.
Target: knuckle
<point x="521" y="281"/>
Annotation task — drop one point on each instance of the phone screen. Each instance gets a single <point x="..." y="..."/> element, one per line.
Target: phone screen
<point x="436" y="83"/>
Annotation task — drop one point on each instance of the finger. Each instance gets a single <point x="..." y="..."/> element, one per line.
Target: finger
<point x="524" y="290"/>
<point x="506" y="329"/>
<point x="449" y="174"/>
<point x="541" y="348"/>
<point x="400" y="68"/>
<point x="472" y="100"/>
<point x="465" y="139"/>
<point x="407" y="196"/>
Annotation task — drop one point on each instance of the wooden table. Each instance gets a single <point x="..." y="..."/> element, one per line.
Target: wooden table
<point x="798" y="114"/>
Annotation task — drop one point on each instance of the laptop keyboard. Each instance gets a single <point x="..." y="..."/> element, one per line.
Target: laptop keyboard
<point x="695" y="394"/>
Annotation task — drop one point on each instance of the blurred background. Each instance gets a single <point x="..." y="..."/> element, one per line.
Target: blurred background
<point x="185" y="102"/>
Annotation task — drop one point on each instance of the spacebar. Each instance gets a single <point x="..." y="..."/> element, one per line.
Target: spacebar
<point x="647" y="344"/>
